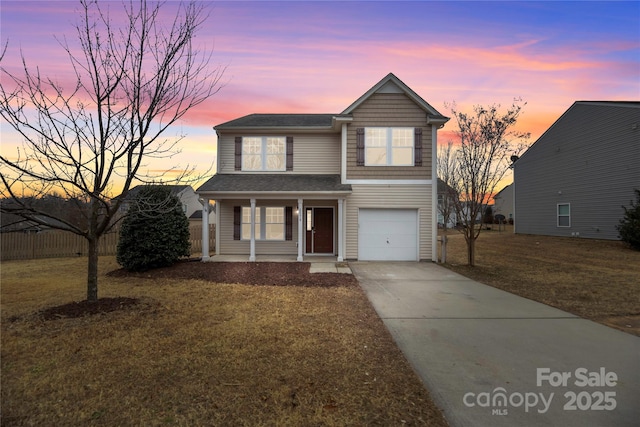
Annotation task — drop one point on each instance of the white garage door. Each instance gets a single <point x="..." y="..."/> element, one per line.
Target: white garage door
<point x="388" y="235"/>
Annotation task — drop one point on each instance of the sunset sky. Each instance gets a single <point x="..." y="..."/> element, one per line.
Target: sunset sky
<point x="320" y="56"/>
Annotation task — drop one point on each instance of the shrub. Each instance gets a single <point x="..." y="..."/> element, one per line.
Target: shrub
<point x="488" y="215"/>
<point x="155" y="231"/>
<point x="629" y="227"/>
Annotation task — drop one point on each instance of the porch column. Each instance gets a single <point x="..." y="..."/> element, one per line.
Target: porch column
<point x="217" y="223"/>
<point x="205" y="229"/>
<point x="252" y="253"/>
<point x="340" y="230"/>
<point x="300" y="229"/>
<point x="434" y="195"/>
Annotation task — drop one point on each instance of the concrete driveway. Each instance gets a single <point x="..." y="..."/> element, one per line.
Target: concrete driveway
<point x="490" y="358"/>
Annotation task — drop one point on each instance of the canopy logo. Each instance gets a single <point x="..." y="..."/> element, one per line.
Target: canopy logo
<point x="499" y="401"/>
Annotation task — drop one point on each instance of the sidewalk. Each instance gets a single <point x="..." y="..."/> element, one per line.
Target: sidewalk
<point x="491" y="358"/>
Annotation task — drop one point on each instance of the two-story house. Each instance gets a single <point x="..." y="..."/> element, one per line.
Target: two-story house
<point x="574" y="180"/>
<point x="360" y="184"/>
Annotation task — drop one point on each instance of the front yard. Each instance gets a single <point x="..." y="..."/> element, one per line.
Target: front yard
<point x="594" y="279"/>
<point x="194" y="352"/>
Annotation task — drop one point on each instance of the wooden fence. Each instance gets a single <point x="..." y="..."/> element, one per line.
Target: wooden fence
<point x="58" y="244"/>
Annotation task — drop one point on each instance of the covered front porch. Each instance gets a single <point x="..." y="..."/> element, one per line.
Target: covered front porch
<point x="261" y="216"/>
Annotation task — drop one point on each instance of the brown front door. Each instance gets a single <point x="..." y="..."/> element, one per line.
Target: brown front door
<point x="320" y="231"/>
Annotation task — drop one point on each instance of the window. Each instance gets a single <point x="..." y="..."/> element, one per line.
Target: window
<point x="270" y="223"/>
<point x="564" y="215"/>
<point x="264" y="153"/>
<point x="389" y="146"/>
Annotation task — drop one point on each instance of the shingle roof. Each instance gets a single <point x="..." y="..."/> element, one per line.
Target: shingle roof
<point x="279" y="120"/>
<point x="274" y="183"/>
<point x="133" y="192"/>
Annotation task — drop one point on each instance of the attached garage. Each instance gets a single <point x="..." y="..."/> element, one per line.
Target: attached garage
<point x="388" y="234"/>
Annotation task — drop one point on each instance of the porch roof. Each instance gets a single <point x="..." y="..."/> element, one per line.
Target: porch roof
<point x="242" y="184"/>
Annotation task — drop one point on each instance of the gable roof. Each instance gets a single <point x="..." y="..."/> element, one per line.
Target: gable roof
<point x="279" y="120"/>
<point x="391" y="84"/>
<point x="590" y="104"/>
<point x="497" y="195"/>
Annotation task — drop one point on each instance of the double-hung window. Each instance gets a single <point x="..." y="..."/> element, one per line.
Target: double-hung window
<point x="263" y="153"/>
<point x="270" y="223"/>
<point x="564" y="215"/>
<point x="389" y="146"/>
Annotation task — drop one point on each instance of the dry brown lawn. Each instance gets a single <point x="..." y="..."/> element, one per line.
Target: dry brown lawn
<point x="594" y="279"/>
<point x="196" y="353"/>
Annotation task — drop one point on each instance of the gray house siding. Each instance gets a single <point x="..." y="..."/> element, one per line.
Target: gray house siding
<point x="589" y="159"/>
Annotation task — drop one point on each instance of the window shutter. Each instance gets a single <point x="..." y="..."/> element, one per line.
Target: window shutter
<point x="418" y="147"/>
<point x="360" y="147"/>
<point x="289" y="153"/>
<point x="238" y="165"/>
<point x="288" y="215"/>
<point x="237" y="222"/>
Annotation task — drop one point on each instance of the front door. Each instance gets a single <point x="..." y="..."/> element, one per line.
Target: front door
<point x="319" y="230"/>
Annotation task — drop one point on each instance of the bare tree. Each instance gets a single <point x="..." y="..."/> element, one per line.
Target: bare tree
<point x="133" y="79"/>
<point x="487" y="140"/>
<point x="446" y="167"/>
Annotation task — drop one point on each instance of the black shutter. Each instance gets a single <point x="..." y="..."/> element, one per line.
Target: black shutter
<point x="289" y="153"/>
<point x="418" y="147"/>
<point x="238" y="165"/>
<point x="288" y="215"/>
<point x="360" y="147"/>
<point x="237" y="222"/>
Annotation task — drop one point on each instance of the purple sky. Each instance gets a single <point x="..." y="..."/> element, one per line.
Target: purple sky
<point x="318" y="57"/>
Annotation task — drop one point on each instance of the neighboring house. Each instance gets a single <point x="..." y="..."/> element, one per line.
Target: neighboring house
<point x="503" y="203"/>
<point x="574" y="180"/>
<point x="356" y="185"/>
<point x="191" y="205"/>
<point x="446" y="203"/>
<point x="11" y="223"/>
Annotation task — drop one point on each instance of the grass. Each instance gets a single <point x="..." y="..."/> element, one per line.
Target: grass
<point x="197" y="353"/>
<point x="594" y="279"/>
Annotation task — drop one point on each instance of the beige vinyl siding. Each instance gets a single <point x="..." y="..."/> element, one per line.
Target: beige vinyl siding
<point x="312" y="154"/>
<point x="589" y="158"/>
<point x="389" y="196"/>
<point x="228" y="246"/>
<point x="389" y="110"/>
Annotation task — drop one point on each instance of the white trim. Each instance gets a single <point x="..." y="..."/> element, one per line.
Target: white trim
<point x="558" y="215"/>
<point x="300" y="229"/>
<point x="205" y="229"/>
<point x="252" y="251"/>
<point x="278" y="195"/>
<point x="434" y="193"/>
<point x="343" y="159"/>
<point x="389" y="181"/>
<point x="218" y="214"/>
<point x="341" y="203"/>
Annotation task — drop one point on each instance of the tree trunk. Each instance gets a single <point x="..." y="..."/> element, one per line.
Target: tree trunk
<point x="92" y="270"/>
<point x="471" y="251"/>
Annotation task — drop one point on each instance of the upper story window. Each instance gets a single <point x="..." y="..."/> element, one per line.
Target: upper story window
<point x="389" y="146"/>
<point x="264" y="153"/>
